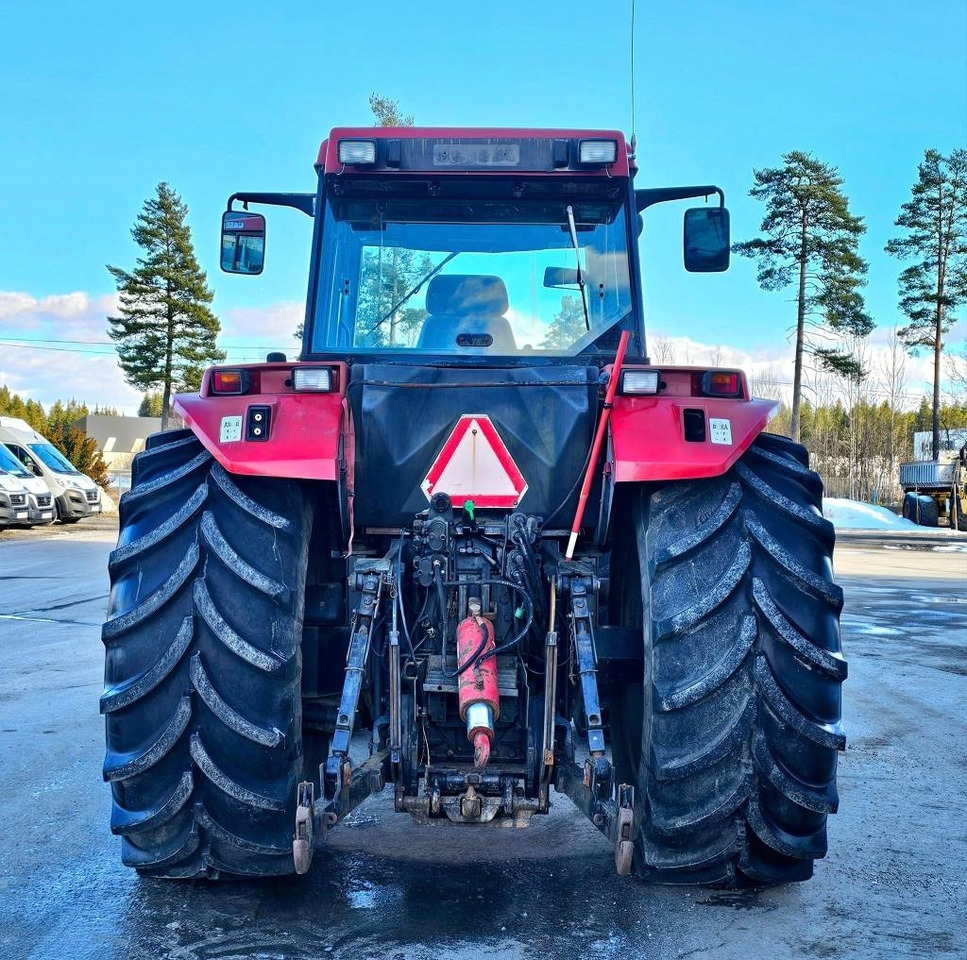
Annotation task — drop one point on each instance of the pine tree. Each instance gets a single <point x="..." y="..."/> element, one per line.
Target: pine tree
<point x="935" y="221"/>
<point x="386" y="112"/>
<point x="80" y="449"/>
<point x="165" y="332"/>
<point x="31" y="412"/>
<point x="567" y="326"/>
<point x="811" y="238"/>
<point x="150" y="405"/>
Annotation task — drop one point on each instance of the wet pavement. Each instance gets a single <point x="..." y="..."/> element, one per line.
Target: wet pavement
<point x="893" y="884"/>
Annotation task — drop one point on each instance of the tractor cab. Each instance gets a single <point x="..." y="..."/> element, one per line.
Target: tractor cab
<point x="486" y="246"/>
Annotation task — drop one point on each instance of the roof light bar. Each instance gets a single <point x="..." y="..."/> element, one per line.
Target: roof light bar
<point x="312" y="379"/>
<point x="640" y="381"/>
<point x="357" y="153"/>
<point x="600" y="152"/>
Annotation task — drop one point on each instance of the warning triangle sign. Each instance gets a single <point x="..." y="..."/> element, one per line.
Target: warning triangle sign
<point x="474" y="464"/>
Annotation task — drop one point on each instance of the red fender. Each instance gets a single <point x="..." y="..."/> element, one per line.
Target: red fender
<point x="648" y="436"/>
<point x="306" y="429"/>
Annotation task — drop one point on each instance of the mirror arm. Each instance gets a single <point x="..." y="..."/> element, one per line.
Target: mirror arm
<point x="652" y="195"/>
<point x="306" y="202"/>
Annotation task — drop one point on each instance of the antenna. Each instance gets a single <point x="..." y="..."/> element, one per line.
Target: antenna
<point x="634" y="138"/>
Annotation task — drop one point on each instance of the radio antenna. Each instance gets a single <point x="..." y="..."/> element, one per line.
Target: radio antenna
<point x="634" y="138"/>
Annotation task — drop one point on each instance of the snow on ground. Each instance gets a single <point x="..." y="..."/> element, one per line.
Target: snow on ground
<point x="854" y="515"/>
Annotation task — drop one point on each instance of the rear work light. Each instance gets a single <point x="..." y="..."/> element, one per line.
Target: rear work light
<point x="598" y="151"/>
<point x="640" y="381"/>
<point x="716" y="383"/>
<point x="312" y="379"/>
<point x="357" y="153"/>
<point x="229" y="381"/>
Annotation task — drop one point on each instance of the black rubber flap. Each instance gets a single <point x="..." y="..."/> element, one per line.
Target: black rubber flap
<point x="404" y="414"/>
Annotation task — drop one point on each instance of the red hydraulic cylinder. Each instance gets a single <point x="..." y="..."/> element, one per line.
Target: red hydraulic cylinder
<point x="478" y="694"/>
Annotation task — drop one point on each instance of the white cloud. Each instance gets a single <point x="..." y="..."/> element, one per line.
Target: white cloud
<point x="770" y="369"/>
<point x="57" y="348"/>
<point x="15" y="305"/>
<point x="528" y="329"/>
<point x="248" y="333"/>
<point x="267" y="324"/>
<point x="47" y="376"/>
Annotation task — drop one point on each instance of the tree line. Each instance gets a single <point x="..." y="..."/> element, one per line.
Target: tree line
<point x="857" y="447"/>
<point x="59" y="426"/>
<point x="810" y="241"/>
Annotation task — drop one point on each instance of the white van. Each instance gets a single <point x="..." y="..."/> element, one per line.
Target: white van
<point x="39" y="500"/>
<point x="13" y="502"/>
<point x="75" y="495"/>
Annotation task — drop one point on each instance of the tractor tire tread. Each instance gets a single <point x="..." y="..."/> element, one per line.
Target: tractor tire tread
<point x="202" y="697"/>
<point x="742" y="706"/>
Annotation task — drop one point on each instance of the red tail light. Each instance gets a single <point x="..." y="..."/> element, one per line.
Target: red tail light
<point x="229" y="381"/>
<point x="719" y="383"/>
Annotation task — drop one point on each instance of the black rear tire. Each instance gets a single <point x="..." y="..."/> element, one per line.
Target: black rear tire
<point x="203" y="665"/>
<point x="926" y="512"/>
<point x="741" y="711"/>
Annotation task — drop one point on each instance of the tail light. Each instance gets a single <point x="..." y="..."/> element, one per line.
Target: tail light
<point x="722" y="383"/>
<point x="229" y="382"/>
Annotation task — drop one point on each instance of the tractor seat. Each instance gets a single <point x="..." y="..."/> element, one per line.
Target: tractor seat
<point x="466" y="313"/>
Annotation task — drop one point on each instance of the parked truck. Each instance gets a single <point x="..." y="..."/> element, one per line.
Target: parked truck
<point x="39" y="500"/>
<point x="13" y="502"/>
<point x="75" y="495"/>
<point x="474" y="520"/>
<point x="935" y="491"/>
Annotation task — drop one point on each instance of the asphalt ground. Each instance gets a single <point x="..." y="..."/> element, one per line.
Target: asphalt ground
<point x="893" y="884"/>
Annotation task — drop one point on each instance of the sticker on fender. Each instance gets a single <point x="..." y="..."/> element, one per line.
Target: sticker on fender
<point x="720" y="431"/>
<point x="231" y="430"/>
<point x="475" y="464"/>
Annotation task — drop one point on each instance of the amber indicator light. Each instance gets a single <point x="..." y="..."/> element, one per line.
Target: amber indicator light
<point x="228" y="381"/>
<point x="718" y="384"/>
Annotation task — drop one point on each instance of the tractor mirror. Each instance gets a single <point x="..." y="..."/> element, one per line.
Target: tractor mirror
<point x="560" y="277"/>
<point x="707" y="242"/>
<point x="243" y="242"/>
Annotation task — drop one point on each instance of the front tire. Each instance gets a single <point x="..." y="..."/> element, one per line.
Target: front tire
<point x="203" y="665"/>
<point x="741" y="704"/>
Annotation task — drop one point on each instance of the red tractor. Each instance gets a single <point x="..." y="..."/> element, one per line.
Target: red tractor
<point x="473" y="519"/>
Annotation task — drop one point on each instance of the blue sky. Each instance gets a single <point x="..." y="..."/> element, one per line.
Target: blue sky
<point x="102" y="101"/>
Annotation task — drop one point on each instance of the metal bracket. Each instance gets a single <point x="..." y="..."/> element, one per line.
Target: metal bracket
<point x="370" y="576"/>
<point x="576" y="588"/>
<point x="360" y="784"/>
<point x="550" y="698"/>
<point x="302" y="844"/>
<point x="395" y="707"/>
<point x="624" y="847"/>
<point x="591" y="788"/>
